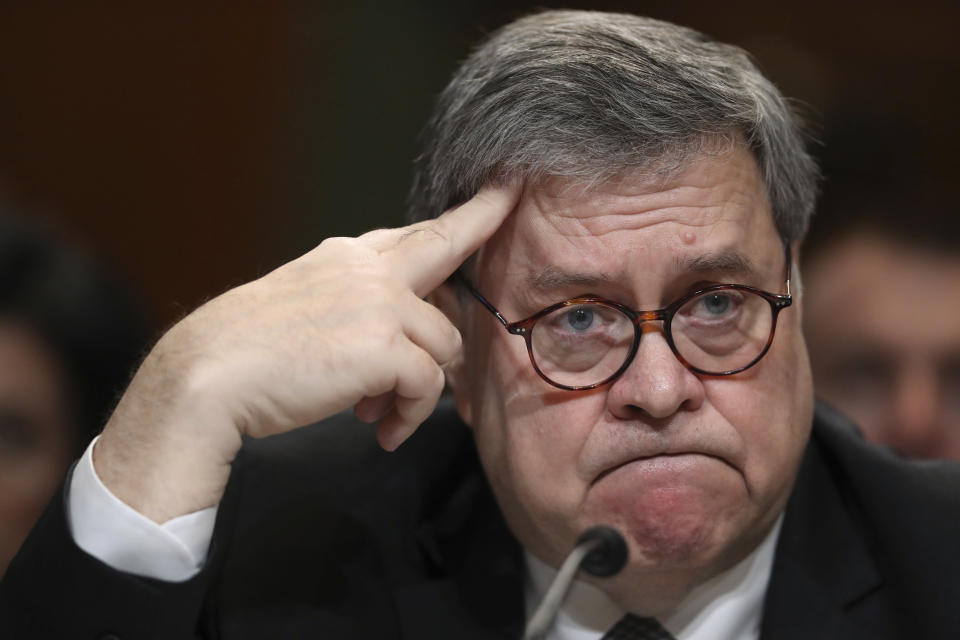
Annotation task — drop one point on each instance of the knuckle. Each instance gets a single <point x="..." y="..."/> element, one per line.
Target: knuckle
<point x="450" y="350"/>
<point x="485" y="198"/>
<point x="346" y="253"/>
<point x="439" y="383"/>
<point x="448" y="334"/>
<point x="428" y="230"/>
<point x="425" y="365"/>
<point x="456" y="340"/>
<point x="382" y="337"/>
<point x="336" y="242"/>
<point x="426" y="374"/>
<point x="375" y="235"/>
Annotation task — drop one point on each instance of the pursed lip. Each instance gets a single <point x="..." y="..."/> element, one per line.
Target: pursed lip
<point x="614" y="445"/>
<point x="651" y="457"/>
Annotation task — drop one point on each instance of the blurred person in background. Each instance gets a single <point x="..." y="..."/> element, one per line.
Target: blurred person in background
<point x="882" y="284"/>
<point x="69" y="337"/>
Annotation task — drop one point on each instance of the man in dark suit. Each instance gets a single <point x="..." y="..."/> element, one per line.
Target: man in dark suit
<point x="623" y="345"/>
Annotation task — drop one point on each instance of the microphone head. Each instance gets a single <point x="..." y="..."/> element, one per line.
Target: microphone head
<point x="609" y="557"/>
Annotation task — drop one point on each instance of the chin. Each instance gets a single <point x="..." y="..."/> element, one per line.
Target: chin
<point x="685" y="538"/>
<point x="674" y="512"/>
<point x="674" y="541"/>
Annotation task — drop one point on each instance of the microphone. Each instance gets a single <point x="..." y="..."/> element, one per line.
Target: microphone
<point x="600" y="551"/>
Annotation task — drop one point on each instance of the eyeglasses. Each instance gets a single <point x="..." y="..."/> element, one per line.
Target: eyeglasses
<point x="588" y="341"/>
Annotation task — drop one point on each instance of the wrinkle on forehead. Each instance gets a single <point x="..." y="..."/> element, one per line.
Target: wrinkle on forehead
<point x="614" y="231"/>
<point x="727" y="261"/>
<point x="708" y="191"/>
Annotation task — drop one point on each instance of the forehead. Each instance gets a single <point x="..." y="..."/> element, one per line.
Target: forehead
<point x="713" y="213"/>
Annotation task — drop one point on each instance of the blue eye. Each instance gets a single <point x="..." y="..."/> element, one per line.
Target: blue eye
<point x="716" y="304"/>
<point x="580" y="319"/>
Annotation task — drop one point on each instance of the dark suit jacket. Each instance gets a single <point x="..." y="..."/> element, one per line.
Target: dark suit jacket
<point x="322" y="535"/>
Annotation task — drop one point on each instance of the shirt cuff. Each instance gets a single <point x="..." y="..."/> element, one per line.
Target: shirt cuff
<point x="117" y="535"/>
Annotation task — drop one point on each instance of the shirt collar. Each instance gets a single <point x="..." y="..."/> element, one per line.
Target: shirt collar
<point x="726" y="607"/>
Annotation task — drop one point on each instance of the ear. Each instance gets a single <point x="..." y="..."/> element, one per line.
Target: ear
<point x="446" y="298"/>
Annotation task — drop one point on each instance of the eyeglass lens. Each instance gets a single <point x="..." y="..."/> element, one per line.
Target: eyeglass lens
<point x="718" y="331"/>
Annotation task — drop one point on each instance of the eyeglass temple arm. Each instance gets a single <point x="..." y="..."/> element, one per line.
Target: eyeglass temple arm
<point x="788" y="267"/>
<point x="462" y="279"/>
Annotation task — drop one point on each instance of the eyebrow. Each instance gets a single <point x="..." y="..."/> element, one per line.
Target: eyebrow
<point x="731" y="262"/>
<point x="554" y="278"/>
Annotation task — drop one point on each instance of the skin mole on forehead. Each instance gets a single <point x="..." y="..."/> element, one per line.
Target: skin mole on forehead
<point x="688" y="237"/>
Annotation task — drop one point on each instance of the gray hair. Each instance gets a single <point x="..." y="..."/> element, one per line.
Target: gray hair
<point x="590" y="95"/>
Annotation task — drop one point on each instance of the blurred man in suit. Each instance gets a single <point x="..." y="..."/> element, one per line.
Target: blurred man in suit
<point x="887" y="255"/>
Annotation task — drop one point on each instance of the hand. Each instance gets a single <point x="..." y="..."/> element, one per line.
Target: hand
<point x="344" y="325"/>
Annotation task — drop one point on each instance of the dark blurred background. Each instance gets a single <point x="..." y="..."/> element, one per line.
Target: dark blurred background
<point x="198" y="145"/>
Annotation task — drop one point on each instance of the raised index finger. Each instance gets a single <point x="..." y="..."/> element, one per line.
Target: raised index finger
<point x="426" y="253"/>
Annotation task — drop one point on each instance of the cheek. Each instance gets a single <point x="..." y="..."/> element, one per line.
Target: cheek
<point x="771" y="406"/>
<point x="529" y="437"/>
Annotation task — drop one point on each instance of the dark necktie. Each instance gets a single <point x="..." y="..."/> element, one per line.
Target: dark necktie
<point x="630" y="627"/>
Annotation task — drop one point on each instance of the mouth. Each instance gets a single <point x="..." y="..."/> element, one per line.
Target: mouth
<point x="677" y="463"/>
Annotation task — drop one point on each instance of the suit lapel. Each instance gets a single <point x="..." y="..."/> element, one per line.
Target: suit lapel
<point x="824" y="584"/>
<point x="476" y="588"/>
<point x="824" y="570"/>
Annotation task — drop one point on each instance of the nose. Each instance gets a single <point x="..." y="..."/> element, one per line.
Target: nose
<point x="656" y="384"/>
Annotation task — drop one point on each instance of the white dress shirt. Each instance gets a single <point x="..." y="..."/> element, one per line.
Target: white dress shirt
<point x="117" y="535"/>
<point x="726" y="607"/>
